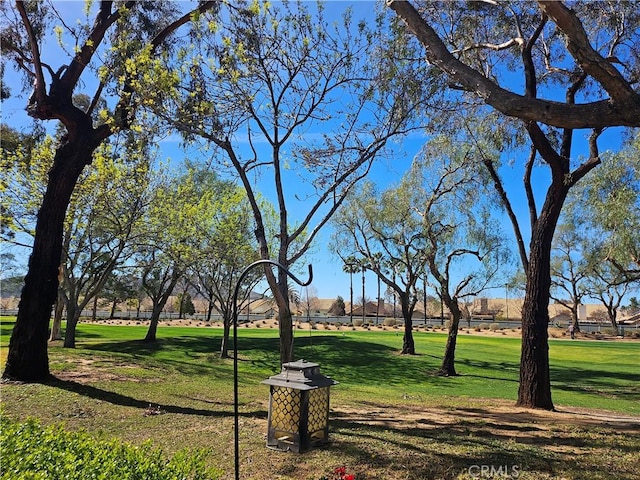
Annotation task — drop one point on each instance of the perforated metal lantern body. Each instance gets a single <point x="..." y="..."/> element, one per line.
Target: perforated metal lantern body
<point x="298" y="407"/>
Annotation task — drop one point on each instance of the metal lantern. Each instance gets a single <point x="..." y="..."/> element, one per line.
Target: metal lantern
<point x="298" y="407"/>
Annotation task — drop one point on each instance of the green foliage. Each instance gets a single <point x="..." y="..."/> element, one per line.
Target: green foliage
<point x="338" y="307"/>
<point x="609" y="202"/>
<point x="31" y="451"/>
<point x="184" y="304"/>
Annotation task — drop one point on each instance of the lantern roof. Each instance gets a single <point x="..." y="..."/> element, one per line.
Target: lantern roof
<point x="300" y="375"/>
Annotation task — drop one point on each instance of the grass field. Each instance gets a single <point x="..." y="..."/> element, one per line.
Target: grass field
<point x="392" y="418"/>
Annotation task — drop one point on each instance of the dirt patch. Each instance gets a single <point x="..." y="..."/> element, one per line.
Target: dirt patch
<point x="501" y="418"/>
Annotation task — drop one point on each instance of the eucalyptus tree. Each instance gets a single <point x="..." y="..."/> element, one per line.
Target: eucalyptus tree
<point x="376" y="225"/>
<point x="298" y="105"/>
<point x="609" y="206"/>
<point x="554" y="69"/>
<point x="465" y="248"/>
<point x="435" y="220"/>
<point x="606" y="208"/>
<point x="102" y="52"/>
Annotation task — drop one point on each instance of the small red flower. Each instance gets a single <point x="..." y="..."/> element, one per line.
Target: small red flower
<point x="340" y="471"/>
<point x="349" y="477"/>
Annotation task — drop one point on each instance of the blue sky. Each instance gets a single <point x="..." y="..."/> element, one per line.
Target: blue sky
<point x="329" y="279"/>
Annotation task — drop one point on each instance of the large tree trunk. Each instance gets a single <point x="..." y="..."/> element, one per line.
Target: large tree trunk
<point x="28" y="359"/>
<point x="280" y="289"/>
<point x="535" y="382"/>
<point x="448" y="368"/>
<point x="209" y="310"/>
<point x="153" y="325"/>
<point x="574" y="317"/>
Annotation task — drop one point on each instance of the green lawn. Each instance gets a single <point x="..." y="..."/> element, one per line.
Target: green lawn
<point x="107" y="382"/>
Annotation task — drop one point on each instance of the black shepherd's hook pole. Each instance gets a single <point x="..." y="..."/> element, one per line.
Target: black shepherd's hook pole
<point x="235" y="347"/>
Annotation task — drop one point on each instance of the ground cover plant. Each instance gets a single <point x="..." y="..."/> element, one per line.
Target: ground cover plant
<point x="391" y="417"/>
<point x="32" y="451"/>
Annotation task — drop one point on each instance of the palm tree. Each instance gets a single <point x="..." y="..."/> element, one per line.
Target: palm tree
<point x="351" y="266"/>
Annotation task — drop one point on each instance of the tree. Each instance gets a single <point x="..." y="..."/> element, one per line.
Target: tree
<point x="433" y="220"/>
<point x="309" y="301"/>
<point x="120" y="31"/>
<point x="160" y="272"/>
<point x="102" y="221"/>
<point x="296" y="101"/>
<point x="605" y="284"/>
<point x="224" y="247"/>
<point x="609" y="201"/>
<point x="372" y="224"/>
<point x="173" y="234"/>
<point x="98" y="224"/>
<point x="184" y="304"/>
<point x="569" y="269"/>
<point x="338" y="307"/>
<point x="576" y="50"/>
<point x="605" y="212"/>
<point x="461" y="233"/>
<point x="118" y="288"/>
<point x="350" y="266"/>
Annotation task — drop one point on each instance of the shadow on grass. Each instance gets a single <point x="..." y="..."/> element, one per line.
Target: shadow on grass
<point x="446" y="450"/>
<point x="6" y="328"/>
<point x="614" y="384"/>
<point x="504" y="371"/>
<point x="354" y="361"/>
<point x="127" y="401"/>
<point x="346" y="359"/>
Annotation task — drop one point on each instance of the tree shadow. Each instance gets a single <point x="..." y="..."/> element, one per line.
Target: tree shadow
<point x="114" y="398"/>
<point x="596" y="382"/>
<point x="510" y="443"/>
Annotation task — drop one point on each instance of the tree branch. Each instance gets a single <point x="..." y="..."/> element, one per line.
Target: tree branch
<point x="588" y="115"/>
<point x="591" y="61"/>
<point x="39" y="93"/>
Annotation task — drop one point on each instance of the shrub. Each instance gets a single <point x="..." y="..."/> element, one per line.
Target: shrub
<point x="389" y="322"/>
<point x="483" y="326"/>
<point x="358" y="322"/>
<point x="494" y="326"/>
<point x="28" y="450"/>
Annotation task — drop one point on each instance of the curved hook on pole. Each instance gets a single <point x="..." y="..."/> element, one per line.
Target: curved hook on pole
<point x="235" y="346"/>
